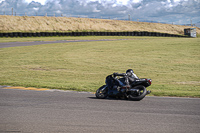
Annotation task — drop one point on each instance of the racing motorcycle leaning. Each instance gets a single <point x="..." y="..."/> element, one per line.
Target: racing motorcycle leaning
<point x="116" y="87"/>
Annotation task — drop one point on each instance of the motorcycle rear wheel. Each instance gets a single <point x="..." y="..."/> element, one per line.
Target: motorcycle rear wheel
<point x="102" y="94"/>
<point x="137" y="97"/>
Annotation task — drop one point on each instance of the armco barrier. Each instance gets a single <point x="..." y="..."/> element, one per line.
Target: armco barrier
<point x="47" y="34"/>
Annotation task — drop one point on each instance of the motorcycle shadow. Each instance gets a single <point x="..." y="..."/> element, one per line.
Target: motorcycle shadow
<point x="110" y="98"/>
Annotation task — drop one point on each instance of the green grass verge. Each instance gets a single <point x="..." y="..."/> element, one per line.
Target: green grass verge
<point x="172" y="63"/>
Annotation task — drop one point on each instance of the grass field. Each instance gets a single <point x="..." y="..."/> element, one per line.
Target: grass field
<point x="172" y="63"/>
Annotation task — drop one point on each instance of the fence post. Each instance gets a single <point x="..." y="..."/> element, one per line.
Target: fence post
<point x="12" y="11"/>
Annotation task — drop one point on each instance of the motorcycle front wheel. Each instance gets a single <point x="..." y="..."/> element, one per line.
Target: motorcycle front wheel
<point x="102" y="92"/>
<point x="137" y="96"/>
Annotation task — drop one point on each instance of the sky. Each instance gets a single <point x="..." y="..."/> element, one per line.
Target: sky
<point x="118" y="1"/>
<point x="40" y="1"/>
<point x="166" y="11"/>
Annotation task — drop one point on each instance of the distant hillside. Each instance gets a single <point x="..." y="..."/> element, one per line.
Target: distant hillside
<point x="53" y="24"/>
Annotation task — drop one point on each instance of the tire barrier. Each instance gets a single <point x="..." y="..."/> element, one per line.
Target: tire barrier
<point x="50" y="34"/>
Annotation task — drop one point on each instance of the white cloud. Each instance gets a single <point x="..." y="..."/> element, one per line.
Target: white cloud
<point x="1" y="1"/>
<point x="136" y="1"/>
<point x="95" y="10"/>
<point x="117" y="2"/>
<point x="36" y="9"/>
<point x="40" y="1"/>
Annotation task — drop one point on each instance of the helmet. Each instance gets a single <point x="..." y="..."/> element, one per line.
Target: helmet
<point x="129" y="71"/>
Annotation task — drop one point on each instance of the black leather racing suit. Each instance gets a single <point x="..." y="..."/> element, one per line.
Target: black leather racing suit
<point x="129" y="78"/>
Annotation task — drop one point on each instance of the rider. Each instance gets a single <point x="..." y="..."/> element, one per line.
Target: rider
<point x="129" y="76"/>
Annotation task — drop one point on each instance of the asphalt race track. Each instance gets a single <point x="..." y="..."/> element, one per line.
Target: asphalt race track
<point x="53" y="111"/>
<point x="17" y="44"/>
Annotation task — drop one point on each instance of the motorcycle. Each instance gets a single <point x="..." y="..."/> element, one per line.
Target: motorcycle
<point x="116" y="88"/>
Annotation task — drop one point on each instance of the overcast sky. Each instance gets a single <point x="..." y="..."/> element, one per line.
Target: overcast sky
<point x="168" y="11"/>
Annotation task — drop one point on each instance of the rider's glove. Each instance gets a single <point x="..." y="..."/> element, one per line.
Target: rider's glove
<point x="114" y="74"/>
